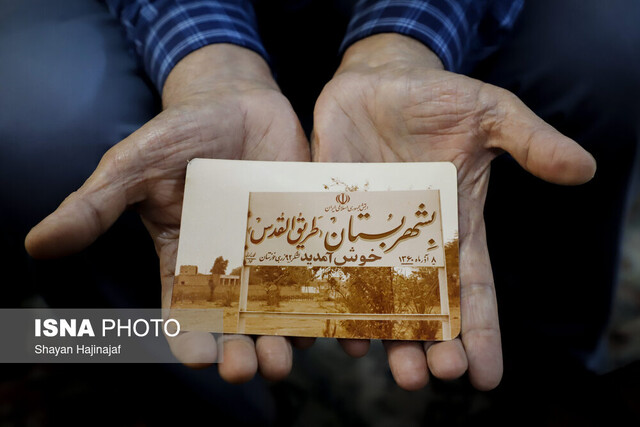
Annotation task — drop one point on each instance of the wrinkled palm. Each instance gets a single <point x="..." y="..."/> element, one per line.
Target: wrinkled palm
<point x="146" y="171"/>
<point x="398" y="113"/>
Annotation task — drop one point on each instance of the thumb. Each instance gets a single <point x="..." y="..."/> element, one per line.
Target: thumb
<point x="88" y="212"/>
<point x="534" y="144"/>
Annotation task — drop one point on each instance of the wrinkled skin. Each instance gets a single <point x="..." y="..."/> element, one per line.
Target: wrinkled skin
<point x="238" y="116"/>
<point x="389" y="101"/>
<point x="407" y="109"/>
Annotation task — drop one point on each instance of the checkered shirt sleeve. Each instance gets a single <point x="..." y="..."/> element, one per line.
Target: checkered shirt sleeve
<point x="165" y="31"/>
<point x="453" y="29"/>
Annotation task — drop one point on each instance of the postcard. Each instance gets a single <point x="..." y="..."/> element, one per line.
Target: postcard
<point x="345" y="250"/>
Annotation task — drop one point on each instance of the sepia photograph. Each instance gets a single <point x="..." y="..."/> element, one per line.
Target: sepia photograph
<point x="353" y="263"/>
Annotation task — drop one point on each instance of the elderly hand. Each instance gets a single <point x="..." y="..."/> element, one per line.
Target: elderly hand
<point x="219" y="102"/>
<point x="390" y="101"/>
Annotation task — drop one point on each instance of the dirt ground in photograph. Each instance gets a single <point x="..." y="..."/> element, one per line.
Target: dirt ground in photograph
<point x="296" y="327"/>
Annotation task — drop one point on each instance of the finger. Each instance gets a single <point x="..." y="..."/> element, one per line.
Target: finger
<point x="302" y="343"/>
<point x="88" y="212"/>
<point x="447" y="360"/>
<point x="355" y="348"/>
<point x="534" y="144"/>
<point x="480" y="329"/>
<point x="481" y="335"/>
<point x="239" y="362"/>
<point x="275" y="357"/>
<point x="408" y="364"/>
<point x="195" y="349"/>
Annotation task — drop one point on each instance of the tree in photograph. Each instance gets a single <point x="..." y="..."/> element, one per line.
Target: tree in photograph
<point x="270" y="273"/>
<point x="236" y="271"/>
<point x="219" y="266"/>
<point x="366" y="290"/>
<point x="273" y="294"/>
<point x="300" y="276"/>
<point x="418" y="293"/>
<point x="271" y="277"/>
<point x="451" y="251"/>
<point x="231" y="291"/>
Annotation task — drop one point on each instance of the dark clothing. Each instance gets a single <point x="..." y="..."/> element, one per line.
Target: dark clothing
<point x="70" y="89"/>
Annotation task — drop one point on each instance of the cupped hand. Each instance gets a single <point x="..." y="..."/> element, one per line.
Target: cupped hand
<point x="391" y="101"/>
<point x="219" y="102"/>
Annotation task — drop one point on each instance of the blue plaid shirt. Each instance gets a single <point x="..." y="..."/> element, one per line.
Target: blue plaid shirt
<point x="458" y="31"/>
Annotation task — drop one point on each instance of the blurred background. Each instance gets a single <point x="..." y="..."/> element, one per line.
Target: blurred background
<point x="326" y="387"/>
